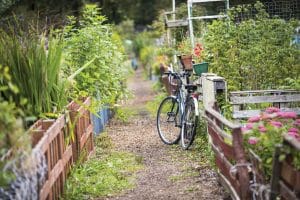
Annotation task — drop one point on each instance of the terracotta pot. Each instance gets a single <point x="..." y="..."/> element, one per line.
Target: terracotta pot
<point x="186" y="61"/>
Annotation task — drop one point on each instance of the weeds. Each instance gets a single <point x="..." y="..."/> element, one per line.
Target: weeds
<point x="105" y="174"/>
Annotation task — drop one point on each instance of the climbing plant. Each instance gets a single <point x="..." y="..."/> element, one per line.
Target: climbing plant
<point x="255" y="53"/>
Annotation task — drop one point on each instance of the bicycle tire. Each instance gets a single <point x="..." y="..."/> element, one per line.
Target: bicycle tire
<point x="189" y="125"/>
<point x="167" y="121"/>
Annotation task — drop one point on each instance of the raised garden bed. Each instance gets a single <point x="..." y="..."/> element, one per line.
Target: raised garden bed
<point x="83" y="128"/>
<point x="55" y="145"/>
<point x="240" y="169"/>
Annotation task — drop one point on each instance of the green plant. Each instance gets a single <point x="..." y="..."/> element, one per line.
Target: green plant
<point x="105" y="174"/>
<point x="185" y="47"/>
<point x="95" y="40"/>
<point x="258" y="48"/>
<point x="14" y="141"/>
<point x="35" y="65"/>
<point x="263" y="132"/>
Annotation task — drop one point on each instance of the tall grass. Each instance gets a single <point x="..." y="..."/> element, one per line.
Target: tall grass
<point x="35" y="66"/>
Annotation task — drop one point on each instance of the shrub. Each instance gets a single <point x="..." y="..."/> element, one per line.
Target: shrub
<point x="258" y="48"/>
<point x="94" y="40"/>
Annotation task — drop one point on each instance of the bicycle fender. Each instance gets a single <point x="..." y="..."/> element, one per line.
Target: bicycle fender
<point x="196" y="106"/>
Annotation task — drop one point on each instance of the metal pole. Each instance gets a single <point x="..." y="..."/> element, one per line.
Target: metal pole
<point x="174" y="18"/>
<point x="173" y="9"/>
<point x="191" y="30"/>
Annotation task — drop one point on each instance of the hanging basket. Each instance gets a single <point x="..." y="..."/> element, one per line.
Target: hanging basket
<point x="200" y="68"/>
<point x="186" y="62"/>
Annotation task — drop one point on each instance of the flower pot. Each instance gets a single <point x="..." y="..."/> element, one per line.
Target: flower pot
<point x="186" y="61"/>
<point x="200" y="68"/>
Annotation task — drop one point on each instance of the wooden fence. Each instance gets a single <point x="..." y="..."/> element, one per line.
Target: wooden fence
<point x="83" y="129"/>
<point x="54" y="138"/>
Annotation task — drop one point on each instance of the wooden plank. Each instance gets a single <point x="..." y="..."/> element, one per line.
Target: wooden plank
<point x="54" y="173"/>
<point x="226" y="149"/>
<point x="176" y="23"/>
<point x="84" y="106"/>
<point x="214" y="126"/>
<point x="205" y="1"/>
<point x="85" y="136"/>
<point x="265" y="99"/>
<point x="54" y="130"/>
<point x="210" y="112"/>
<point x="226" y="183"/>
<point x="286" y="193"/>
<point x="260" y="92"/>
<point x="292" y="141"/>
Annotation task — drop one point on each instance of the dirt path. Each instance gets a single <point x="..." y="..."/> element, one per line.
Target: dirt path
<point x="169" y="172"/>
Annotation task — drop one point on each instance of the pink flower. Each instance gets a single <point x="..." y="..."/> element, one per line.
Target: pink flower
<point x="254" y="119"/>
<point x="272" y="110"/>
<point x="262" y="129"/>
<point x="297" y="122"/>
<point x="295" y="130"/>
<point x="287" y="115"/>
<point x="253" y="140"/>
<point x="276" y="124"/>
<point x="249" y="126"/>
<point x="293" y="134"/>
<point x="245" y="129"/>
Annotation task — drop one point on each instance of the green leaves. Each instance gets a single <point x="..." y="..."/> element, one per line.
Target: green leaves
<point x="95" y="41"/>
<point x="256" y="52"/>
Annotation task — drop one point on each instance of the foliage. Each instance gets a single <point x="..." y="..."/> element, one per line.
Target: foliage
<point x="94" y="40"/>
<point x="259" y="49"/>
<point x="263" y="132"/>
<point x="35" y="65"/>
<point x="185" y="47"/>
<point x="6" y="4"/>
<point x="105" y="174"/>
<point x="291" y="84"/>
<point x="13" y="140"/>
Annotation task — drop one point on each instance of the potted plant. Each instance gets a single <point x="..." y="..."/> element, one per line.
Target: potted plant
<point x="199" y="66"/>
<point x="186" y="54"/>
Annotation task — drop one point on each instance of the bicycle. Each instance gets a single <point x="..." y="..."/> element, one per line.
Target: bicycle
<point x="178" y="111"/>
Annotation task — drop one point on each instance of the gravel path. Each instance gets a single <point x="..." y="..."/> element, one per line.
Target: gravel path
<point x="169" y="172"/>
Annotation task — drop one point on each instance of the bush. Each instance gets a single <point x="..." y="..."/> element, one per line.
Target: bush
<point x="93" y="40"/>
<point x="255" y="53"/>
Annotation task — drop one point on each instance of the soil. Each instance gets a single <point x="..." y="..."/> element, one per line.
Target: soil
<point x="169" y="172"/>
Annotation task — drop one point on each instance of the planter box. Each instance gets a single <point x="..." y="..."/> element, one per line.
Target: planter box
<point x="286" y="178"/>
<point x="83" y="128"/>
<point x="200" y="68"/>
<point x="100" y="122"/>
<point x="58" y="152"/>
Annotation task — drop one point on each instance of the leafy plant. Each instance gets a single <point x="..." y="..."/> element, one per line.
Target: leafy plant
<point x="94" y="40"/>
<point x="35" y="65"/>
<point x="105" y="174"/>
<point x="14" y="141"/>
<point x="258" y="48"/>
<point x="263" y="132"/>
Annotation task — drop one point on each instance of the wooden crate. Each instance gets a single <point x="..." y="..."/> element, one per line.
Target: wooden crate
<point x="83" y="128"/>
<point x="285" y="181"/>
<point x="229" y="154"/>
<point x="53" y="144"/>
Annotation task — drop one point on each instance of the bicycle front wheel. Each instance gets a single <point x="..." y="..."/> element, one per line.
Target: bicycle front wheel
<point x="190" y="120"/>
<point x="168" y="121"/>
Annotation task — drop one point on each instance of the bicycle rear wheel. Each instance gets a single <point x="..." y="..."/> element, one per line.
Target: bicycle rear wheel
<point x="167" y="120"/>
<point x="190" y="120"/>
